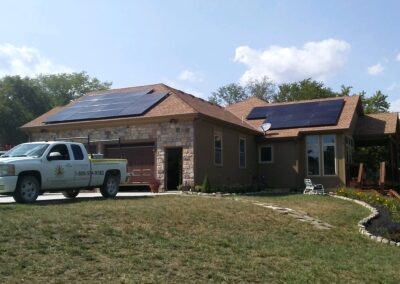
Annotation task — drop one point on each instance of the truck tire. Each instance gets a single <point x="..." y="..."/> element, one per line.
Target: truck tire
<point x="110" y="187"/>
<point x="27" y="190"/>
<point x="71" y="193"/>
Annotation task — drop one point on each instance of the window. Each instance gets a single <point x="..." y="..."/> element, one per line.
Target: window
<point x="242" y="152"/>
<point x="218" y="148"/>
<point x="321" y="146"/>
<point x="77" y="151"/>
<point x="329" y="154"/>
<point x="349" y="149"/>
<point x="313" y="155"/>
<point x="265" y="154"/>
<point x="62" y="150"/>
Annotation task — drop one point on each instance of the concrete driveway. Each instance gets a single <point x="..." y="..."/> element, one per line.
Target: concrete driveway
<point x="86" y="195"/>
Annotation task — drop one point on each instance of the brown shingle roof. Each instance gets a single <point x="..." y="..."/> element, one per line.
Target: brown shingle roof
<point x="243" y="108"/>
<point x="348" y="112"/>
<point x="377" y="124"/>
<point x="177" y="103"/>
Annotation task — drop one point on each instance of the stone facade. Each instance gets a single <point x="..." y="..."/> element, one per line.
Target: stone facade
<point x="164" y="134"/>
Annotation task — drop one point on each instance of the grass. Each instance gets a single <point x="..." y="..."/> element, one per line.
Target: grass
<point x="190" y="239"/>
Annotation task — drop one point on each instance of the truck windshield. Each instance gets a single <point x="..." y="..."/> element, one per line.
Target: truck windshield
<point x="34" y="150"/>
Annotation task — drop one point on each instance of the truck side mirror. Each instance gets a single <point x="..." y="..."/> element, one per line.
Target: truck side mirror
<point x="54" y="156"/>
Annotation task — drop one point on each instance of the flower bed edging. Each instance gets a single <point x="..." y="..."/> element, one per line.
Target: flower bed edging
<point x="362" y="224"/>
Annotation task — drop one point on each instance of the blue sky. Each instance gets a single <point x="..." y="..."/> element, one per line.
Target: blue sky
<point x="198" y="46"/>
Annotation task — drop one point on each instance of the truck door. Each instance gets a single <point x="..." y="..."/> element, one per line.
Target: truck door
<point x="58" y="169"/>
<point x="81" y="167"/>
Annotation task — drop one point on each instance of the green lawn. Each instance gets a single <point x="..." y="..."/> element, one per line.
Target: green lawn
<point x="183" y="239"/>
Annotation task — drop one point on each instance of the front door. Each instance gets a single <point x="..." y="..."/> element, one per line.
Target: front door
<point x="58" y="173"/>
<point x="173" y="168"/>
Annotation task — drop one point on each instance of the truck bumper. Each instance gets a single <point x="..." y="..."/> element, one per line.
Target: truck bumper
<point x="8" y="184"/>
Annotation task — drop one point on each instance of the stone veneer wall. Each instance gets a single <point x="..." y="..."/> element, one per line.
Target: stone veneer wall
<point x="165" y="134"/>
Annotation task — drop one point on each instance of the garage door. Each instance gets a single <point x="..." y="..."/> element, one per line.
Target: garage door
<point x="140" y="157"/>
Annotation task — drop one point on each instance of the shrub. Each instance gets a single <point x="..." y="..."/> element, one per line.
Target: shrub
<point x="184" y="187"/>
<point x="206" y="188"/>
<point x="198" y="188"/>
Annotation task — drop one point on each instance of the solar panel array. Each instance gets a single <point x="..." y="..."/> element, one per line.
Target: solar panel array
<point x="321" y="113"/>
<point x="109" y="105"/>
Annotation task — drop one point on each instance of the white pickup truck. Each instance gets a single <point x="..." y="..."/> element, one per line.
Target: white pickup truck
<point x="30" y="169"/>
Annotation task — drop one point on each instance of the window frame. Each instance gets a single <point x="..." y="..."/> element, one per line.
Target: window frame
<point x="321" y="145"/>
<point x="323" y="158"/>
<point x="60" y="145"/>
<point x="218" y="134"/>
<point x="272" y="154"/>
<point x="319" y="156"/>
<point x="244" y="153"/>
<point x="76" y="146"/>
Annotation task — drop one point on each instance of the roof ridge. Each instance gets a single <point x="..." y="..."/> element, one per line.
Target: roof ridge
<point x="313" y="100"/>
<point x="97" y="92"/>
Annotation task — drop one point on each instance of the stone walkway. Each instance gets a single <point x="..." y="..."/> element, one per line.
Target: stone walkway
<point x="300" y="216"/>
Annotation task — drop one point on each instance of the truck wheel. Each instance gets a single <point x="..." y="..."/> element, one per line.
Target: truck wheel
<point x="27" y="190"/>
<point x="110" y="187"/>
<point x="72" y="193"/>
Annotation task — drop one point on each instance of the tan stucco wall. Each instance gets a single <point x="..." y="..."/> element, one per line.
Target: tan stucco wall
<point x="229" y="172"/>
<point x="289" y="166"/>
<point x="179" y="133"/>
<point x="284" y="169"/>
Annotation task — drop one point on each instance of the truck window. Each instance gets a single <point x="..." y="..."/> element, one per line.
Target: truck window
<point x="62" y="149"/>
<point x="77" y="151"/>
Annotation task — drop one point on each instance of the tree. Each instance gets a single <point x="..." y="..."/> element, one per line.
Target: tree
<point x="303" y="90"/>
<point x="20" y="102"/>
<point x="24" y="99"/>
<point x="228" y="94"/>
<point x="264" y="89"/>
<point x="376" y="103"/>
<point x="63" y="88"/>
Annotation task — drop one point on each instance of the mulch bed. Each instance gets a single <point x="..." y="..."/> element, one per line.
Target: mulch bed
<point x="385" y="226"/>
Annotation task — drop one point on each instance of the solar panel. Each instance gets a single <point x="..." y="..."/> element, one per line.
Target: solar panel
<point x="109" y="105"/>
<point x="308" y="114"/>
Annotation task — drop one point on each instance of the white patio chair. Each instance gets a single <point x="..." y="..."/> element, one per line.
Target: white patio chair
<point x="313" y="188"/>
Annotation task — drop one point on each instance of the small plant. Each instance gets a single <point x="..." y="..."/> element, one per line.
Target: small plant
<point x="206" y="188"/>
<point x="393" y="205"/>
<point x="198" y="188"/>
<point x="184" y="187"/>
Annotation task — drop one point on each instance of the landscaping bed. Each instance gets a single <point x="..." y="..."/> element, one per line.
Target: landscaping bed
<point x="387" y="224"/>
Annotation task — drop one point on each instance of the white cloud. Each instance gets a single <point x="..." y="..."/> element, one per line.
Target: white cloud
<point x="398" y="57"/>
<point x="191" y="76"/>
<point x="318" y="60"/>
<point x="26" y="61"/>
<point x="375" y="69"/>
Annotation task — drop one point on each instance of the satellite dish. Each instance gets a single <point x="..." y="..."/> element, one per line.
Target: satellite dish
<point x="265" y="127"/>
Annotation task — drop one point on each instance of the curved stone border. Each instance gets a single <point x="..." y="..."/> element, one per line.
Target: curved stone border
<point x="362" y="224"/>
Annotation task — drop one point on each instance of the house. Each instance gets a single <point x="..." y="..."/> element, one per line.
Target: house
<point x="178" y="138"/>
<point x="173" y="136"/>
<point x="323" y="151"/>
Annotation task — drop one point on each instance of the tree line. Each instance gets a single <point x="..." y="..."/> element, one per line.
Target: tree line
<point x="307" y="89"/>
<point x="24" y="99"/>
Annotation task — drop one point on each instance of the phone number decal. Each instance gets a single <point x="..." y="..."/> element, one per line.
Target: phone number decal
<point x="87" y="173"/>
